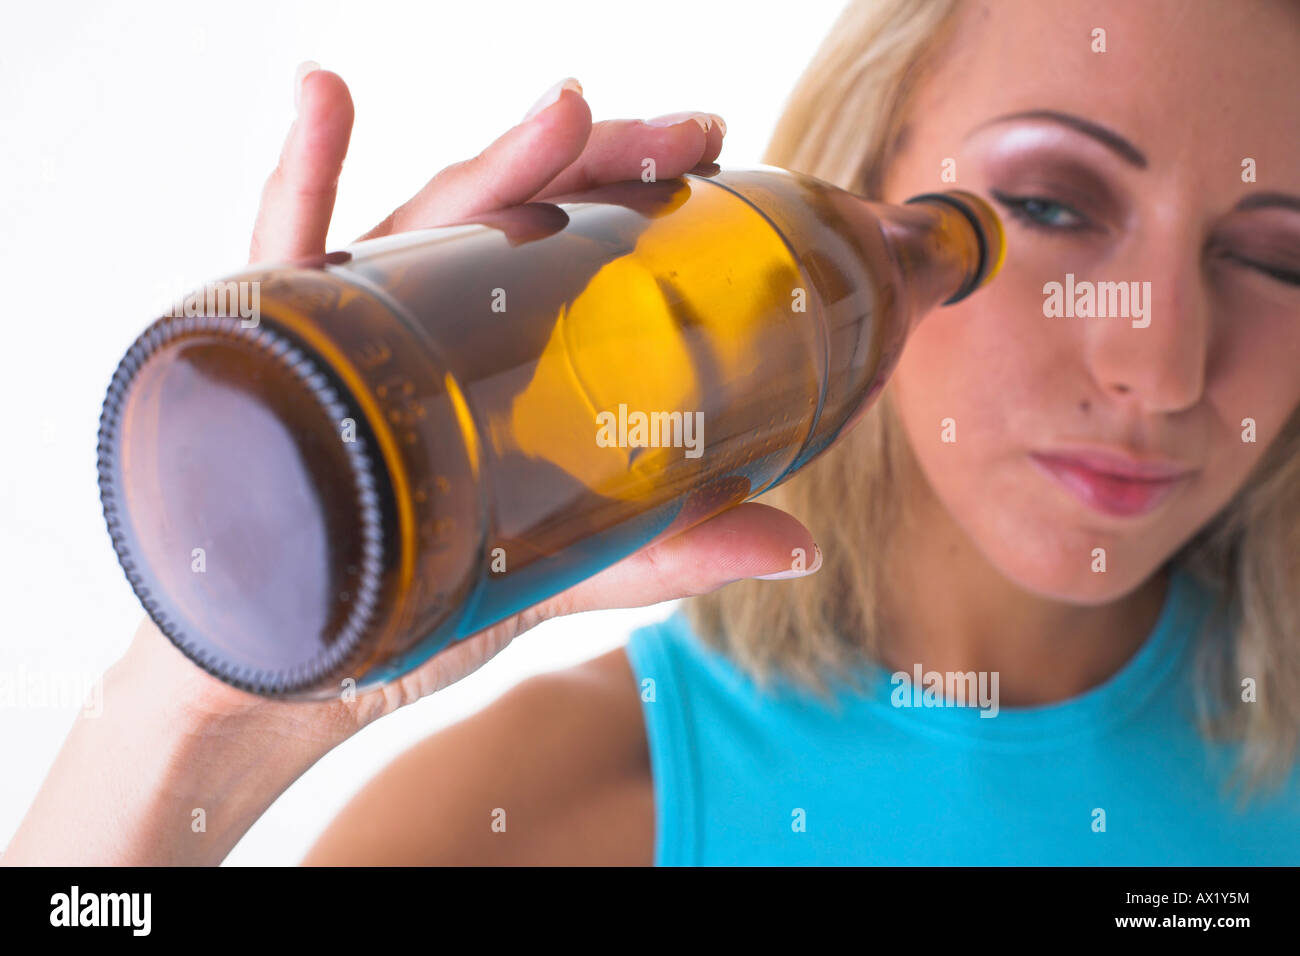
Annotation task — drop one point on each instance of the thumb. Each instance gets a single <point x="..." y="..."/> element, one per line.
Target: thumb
<point x="748" y="541"/>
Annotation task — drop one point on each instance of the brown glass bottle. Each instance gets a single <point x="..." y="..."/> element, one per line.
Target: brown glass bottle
<point x="423" y="434"/>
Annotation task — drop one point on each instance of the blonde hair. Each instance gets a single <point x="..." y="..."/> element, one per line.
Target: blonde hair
<point x="833" y="622"/>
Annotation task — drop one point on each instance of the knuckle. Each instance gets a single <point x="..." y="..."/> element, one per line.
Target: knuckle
<point x="661" y="571"/>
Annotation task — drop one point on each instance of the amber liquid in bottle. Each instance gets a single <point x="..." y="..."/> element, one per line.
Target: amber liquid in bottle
<point x="424" y="434"/>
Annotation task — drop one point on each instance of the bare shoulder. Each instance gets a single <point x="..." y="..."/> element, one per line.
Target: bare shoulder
<point x="555" y="771"/>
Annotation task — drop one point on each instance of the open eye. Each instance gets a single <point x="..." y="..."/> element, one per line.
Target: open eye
<point x="1038" y="212"/>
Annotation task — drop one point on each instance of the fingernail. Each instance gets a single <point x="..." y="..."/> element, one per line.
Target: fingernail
<point x="672" y="119"/>
<point x="305" y="69"/>
<point x="722" y="127"/>
<point x="552" y="96"/>
<point x="794" y="572"/>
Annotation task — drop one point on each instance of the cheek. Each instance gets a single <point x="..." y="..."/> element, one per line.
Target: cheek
<point x="970" y="390"/>
<point x="1252" y="379"/>
<point x="978" y="370"/>
<point x="1252" y="393"/>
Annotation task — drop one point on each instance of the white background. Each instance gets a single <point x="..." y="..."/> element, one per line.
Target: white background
<point x="136" y="139"/>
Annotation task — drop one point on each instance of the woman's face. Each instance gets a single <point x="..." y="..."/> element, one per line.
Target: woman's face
<point x="1170" y="161"/>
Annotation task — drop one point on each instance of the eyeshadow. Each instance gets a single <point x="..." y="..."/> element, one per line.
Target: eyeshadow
<point x="1059" y="174"/>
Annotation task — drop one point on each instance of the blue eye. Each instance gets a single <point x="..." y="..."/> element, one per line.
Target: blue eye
<point x="1038" y="212"/>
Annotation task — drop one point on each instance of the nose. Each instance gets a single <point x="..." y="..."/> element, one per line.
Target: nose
<point x="1155" y="358"/>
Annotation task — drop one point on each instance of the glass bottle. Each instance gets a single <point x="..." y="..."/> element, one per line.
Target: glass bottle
<point x="331" y="469"/>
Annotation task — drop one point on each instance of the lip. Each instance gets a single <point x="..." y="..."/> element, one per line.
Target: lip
<point x="1114" y="482"/>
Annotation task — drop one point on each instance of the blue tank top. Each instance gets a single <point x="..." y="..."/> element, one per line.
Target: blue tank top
<point x="1118" y="775"/>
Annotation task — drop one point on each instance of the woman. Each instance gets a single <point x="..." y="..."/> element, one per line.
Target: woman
<point x="1093" y="517"/>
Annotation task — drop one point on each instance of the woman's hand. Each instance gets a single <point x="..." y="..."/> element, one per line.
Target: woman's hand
<point x="172" y="740"/>
<point x="555" y="150"/>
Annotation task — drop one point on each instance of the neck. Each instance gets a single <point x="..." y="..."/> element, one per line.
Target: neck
<point x="1044" y="650"/>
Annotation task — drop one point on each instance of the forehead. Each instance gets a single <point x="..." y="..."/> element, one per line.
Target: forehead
<point x="1178" y="79"/>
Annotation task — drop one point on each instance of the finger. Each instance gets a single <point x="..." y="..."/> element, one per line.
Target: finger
<point x="510" y="171"/>
<point x="526" y="223"/>
<point x="298" y="199"/>
<point x="618" y="149"/>
<point x="717" y="134"/>
<point x="750" y="540"/>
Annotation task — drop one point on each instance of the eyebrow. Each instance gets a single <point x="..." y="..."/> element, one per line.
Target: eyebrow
<point x="1101" y="134"/>
<point x="1258" y="200"/>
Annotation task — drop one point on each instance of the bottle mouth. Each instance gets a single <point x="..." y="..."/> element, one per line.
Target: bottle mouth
<point x="243" y="501"/>
<point x="990" y="238"/>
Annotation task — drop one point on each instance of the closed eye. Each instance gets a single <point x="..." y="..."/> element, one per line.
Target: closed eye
<point x="1287" y="276"/>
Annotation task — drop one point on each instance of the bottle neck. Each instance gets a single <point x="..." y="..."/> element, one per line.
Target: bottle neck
<point x="945" y="245"/>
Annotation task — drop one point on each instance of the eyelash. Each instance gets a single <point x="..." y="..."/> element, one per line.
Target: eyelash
<point x="1285" y="276"/>
<point x="1019" y="208"/>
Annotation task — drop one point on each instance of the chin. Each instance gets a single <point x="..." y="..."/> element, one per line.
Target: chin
<point x="1058" y="564"/>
